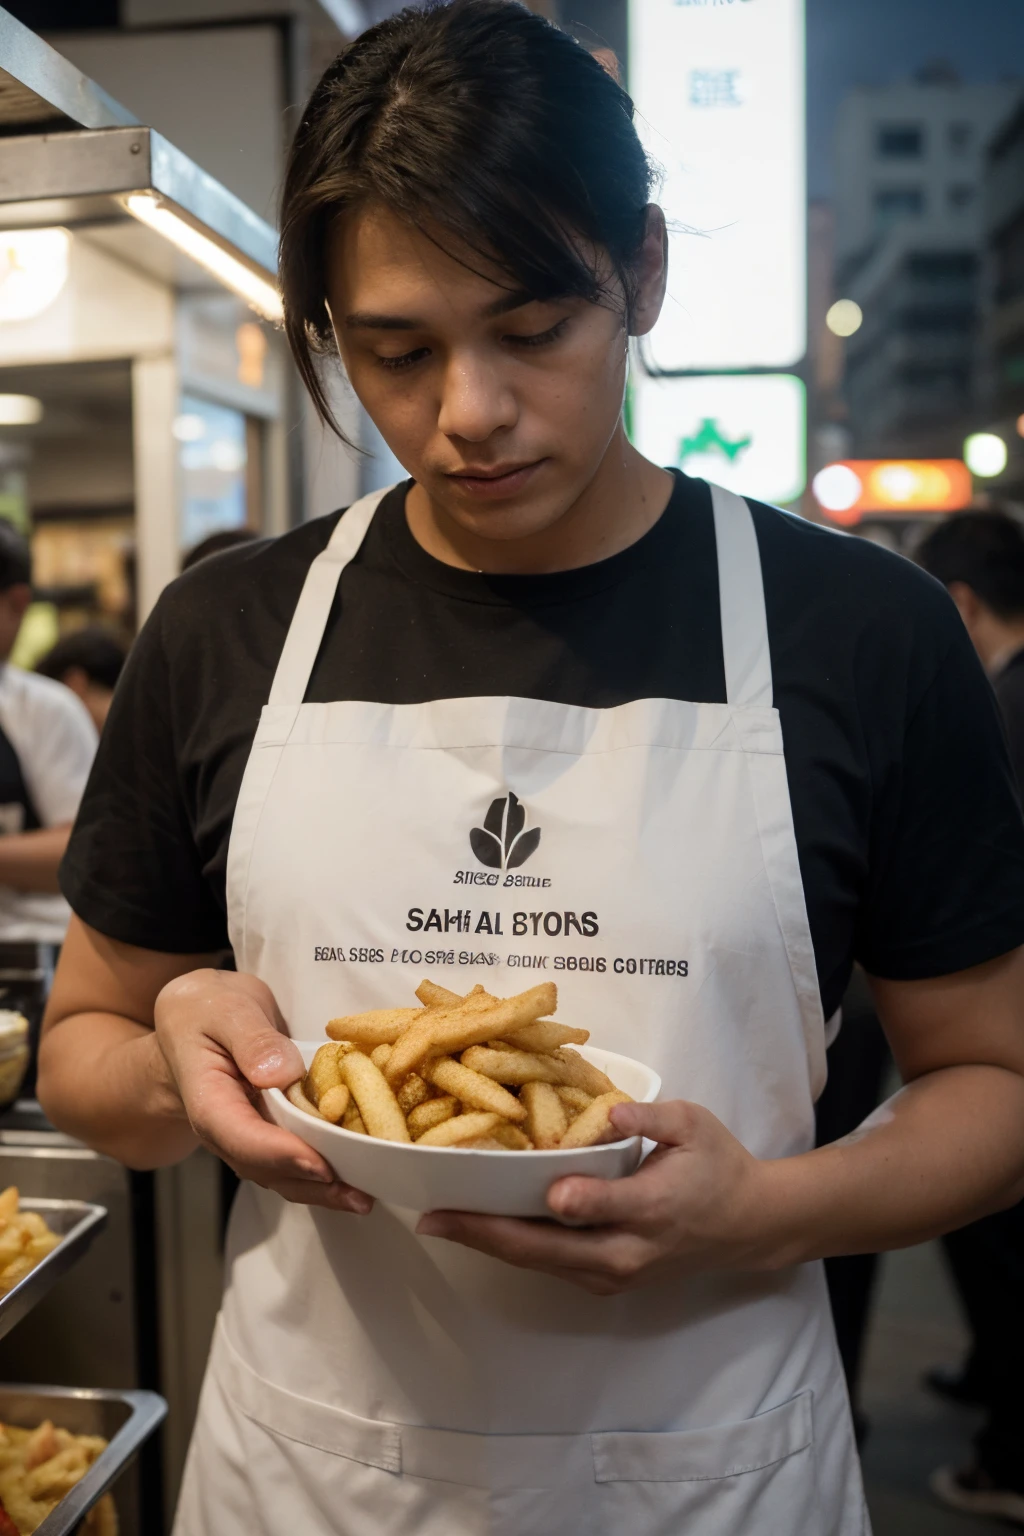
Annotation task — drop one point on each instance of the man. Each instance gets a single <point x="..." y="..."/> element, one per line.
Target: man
<point x="979" y="558"/>
<point x="89" y="662"/>
<point x="47" y="743"/>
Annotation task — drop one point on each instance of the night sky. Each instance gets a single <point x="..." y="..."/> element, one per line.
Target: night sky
<point x="871" y="42"/>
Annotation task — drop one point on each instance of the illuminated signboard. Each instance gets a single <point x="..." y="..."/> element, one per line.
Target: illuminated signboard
<point x="745" y="432"/>
<point x="849" y="489"/>
<point x="719" y="90"/>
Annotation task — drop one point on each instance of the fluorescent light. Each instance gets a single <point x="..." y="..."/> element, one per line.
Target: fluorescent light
<point x="234" y="274"/>
<point x="845" y="317"/>
<point x="985" y="455"/>
<point x="33" y="270"/>
<point x="20" y="410"/>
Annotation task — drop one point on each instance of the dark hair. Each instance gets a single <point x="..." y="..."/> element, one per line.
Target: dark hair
<point x="984" y="550"/>
<point x="96" y="651"/>
<point x="15" y="558"/>
<point x="478" y="120"/>
<point x="214" y="543"/>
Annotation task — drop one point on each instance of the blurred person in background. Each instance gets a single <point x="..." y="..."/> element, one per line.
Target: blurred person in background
<point x="89" y="662"/>
<point x="47" y="744"/>
<point x="979" y="558"/>
<point x="215" y="544"/>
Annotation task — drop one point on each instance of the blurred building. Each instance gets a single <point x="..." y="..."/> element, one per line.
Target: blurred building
<point x="1003" y="335"/>
<point x="909" y="239"/>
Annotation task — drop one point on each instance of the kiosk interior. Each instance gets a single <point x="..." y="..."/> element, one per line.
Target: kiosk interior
<point x="144" y="392"/>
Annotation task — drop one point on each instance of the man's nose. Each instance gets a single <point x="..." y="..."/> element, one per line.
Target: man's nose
<point x="475" y="400"/>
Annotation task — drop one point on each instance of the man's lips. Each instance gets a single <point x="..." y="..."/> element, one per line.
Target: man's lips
<point x="490" y="472"/>
<point x="493" y="480"/>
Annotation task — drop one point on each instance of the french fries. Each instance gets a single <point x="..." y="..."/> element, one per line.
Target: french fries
<point x="38" y="1467"/>
<point x="478" y="1072"/>
<point x="460" y="1129"/>
<point x="546" y="1116"/>
<point x="380" y="1027"/>
<point x="25" y="1240"/>
<point x="446" y="1031"/>
<point x="434" y="1112"/>
<point x="512" y="1066"/>
<point x="376" y="1103"/>
<point x="474" y="1091"/>
<point x="593" y="1125"/>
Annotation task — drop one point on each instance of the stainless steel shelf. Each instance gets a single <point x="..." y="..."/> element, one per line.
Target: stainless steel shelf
<point x="76" y="1223"/>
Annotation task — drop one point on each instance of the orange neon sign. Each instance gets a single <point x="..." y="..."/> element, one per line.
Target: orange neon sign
<point x="850" y="488"/>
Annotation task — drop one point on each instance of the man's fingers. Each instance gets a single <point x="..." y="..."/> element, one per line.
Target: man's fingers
<point x="264" y="1057"/>
<point x="334" y="1197"/>
<point x="672" y="1122"/>
<point x="225" y="1119"/>
<point x="538" y="1244"/>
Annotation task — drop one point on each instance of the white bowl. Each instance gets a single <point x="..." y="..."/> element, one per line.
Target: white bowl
<point x="453" y="1179"/>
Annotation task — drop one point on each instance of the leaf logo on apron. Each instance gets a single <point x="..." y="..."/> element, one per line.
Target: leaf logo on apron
<point x="502" y="842"/>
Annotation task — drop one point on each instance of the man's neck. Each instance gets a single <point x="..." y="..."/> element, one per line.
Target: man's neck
<point x="1006" y="642"/>
<point x="623" y="501"/>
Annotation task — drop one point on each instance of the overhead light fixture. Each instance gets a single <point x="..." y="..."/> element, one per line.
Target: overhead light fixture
<point x="20" y="410"/>
<point x="33" y="271"/>
<point x="234" y="274"/>
<point x="845" y="317"/>
<point x="985" y="455"/>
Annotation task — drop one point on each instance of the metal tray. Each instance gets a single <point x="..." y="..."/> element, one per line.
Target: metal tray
<point x="76" y="1223"/>
<point x="126" y="1419"/>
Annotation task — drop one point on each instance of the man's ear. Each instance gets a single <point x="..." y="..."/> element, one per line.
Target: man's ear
<point x="652" y="274"/>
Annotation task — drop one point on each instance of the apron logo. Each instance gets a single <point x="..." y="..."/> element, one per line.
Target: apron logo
<point x="502" y="842"/>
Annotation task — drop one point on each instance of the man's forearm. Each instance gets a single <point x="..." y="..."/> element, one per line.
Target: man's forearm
<point x="104" y="1080"/>
<point x="29" y="860"/>
<point x="944" y="1150"/>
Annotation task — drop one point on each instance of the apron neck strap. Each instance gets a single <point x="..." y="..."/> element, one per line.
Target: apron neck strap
<point x="748" y="670"/>
<point x="306" y="631"/>
<point x="748" y="665"/>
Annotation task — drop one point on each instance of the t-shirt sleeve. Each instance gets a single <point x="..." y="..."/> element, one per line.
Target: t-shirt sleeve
<point x="55" y="740"/>
<point x="132" y="869"/>
<point x="946" y="874"/>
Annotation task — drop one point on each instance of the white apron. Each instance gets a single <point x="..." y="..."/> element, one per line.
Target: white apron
<point x="364" y="1380"/>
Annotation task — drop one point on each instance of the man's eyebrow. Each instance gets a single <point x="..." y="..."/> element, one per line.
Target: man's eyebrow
<point x="364" y="320"/>
<point x="515" y="299"/>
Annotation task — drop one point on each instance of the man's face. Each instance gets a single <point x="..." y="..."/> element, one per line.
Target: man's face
<point x="500" y="406"/>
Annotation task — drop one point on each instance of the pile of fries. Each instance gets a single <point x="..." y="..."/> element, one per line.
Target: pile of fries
<point x="25" y="1239"/>
<point x="37" y="1468"/>
<point x="477" y="1072"/>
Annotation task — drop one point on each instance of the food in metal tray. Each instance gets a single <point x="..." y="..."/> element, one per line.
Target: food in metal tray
<point x="14" y="1055"/>
<point x="25" y="1240"/>
<point x="478" y="1072"/>
<point x="37" y="1468"/>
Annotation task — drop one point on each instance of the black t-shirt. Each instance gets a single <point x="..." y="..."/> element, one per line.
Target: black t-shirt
<point x="910" y="836"/>
<point x="1009" y="687"/>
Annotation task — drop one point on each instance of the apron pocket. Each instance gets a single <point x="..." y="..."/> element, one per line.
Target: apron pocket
<point x="758" y="1475"/>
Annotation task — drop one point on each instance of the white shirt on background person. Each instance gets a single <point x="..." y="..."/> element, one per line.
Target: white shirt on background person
<point x="55" y="742"/>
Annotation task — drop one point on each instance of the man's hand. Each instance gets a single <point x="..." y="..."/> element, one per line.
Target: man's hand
<point x="696" y="1203"/>
<point x="222" y="1038"/>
